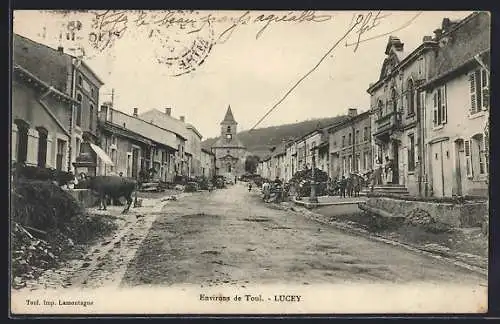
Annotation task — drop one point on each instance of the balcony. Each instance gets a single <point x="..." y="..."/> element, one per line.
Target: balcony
<point x="387" y="124"/>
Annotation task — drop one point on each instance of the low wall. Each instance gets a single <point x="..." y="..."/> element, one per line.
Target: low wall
<point x="465" y="214"/>
<point x="84" y="197"/>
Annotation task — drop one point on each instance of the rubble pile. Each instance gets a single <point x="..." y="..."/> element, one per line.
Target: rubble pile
<point x="420" y="218"/>
<point x="47" y="225"/>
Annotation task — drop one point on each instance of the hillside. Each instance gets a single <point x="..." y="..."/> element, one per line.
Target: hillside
<point x="260" y="140"/>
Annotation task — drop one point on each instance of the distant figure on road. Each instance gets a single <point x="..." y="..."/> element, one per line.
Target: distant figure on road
<point x="249" y="186"/>
<point x="266" y="190"/>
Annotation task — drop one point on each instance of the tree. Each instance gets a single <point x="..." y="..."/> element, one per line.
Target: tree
<point x="251" y="163"/>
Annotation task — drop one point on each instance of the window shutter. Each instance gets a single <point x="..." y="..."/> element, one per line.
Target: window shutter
<point x="485" y="90"/>
<point x="472" y="81"/>
<point x="435" y="108"/>
<point x="468" y="158"/>
<point x="443" y="105"/>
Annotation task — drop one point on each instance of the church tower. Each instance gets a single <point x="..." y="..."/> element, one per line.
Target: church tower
<point x="229" y="152"/>
<point x="228" y="126"/>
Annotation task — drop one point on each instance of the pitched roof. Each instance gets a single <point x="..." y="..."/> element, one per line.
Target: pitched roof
<point x="229" y="118"/>
<point x="460" y="44"/>
<point x="146" y="129"/>
<point x="165" y="121"/>
<point x="47" y="63"/>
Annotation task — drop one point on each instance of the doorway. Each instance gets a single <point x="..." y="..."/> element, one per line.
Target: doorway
<point x="395" y="162"/>
<point x="135" y="162"/>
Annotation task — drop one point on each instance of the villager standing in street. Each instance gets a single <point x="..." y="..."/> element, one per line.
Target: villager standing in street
<point x="388" y="170"/>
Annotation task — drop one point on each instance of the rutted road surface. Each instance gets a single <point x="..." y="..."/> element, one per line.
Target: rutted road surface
<point x="229" y="237"/>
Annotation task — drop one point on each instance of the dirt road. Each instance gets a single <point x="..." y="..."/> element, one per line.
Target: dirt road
<point x="229" y="237"/>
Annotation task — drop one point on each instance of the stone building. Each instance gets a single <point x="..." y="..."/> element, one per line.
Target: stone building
<point x="396" y="104"/>
<point x="230" y="153"/>
<point x="350" y="145"/>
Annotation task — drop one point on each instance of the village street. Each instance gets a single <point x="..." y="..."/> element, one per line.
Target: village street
<point x="230" y="237"/>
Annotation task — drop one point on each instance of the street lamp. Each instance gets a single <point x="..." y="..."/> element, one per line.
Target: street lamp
<point x="312" y="197"/>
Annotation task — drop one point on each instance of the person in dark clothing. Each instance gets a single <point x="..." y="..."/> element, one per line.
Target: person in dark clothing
<point x="343" y="185"/>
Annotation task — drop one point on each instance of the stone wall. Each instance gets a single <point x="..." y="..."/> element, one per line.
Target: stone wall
<point x="466" y="214"/>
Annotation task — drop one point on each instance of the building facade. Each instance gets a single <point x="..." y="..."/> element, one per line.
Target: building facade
<point x="41" y="121"/>
<point x="396" y="107"/>
<point x="193" y="148"/>
<point x="230" y="153"/>
<point x="72" y="77"/>
<point x="457" y="109"/>
<point x="350" y="145"/>
<point x="207" y="163"/>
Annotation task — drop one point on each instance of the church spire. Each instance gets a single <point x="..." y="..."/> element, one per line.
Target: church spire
<point x="229" y="118"/>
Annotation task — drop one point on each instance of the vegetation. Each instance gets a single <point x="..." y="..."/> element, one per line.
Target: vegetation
<point x="251" y="163"/>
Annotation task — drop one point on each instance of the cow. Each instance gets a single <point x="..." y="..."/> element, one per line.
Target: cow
<point x="114" y="187"/>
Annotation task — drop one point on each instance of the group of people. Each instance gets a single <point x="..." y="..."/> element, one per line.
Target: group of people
<point x="382" y="173"/>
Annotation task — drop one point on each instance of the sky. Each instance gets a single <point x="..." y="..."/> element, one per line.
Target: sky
<point x="252" y="66"/>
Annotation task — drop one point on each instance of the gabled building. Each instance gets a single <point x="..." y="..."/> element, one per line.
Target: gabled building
<point x="396" y="108"/>
<point x="229" y="152"/>
<point x="207" y="163"/>
<point x="457" y="108"/>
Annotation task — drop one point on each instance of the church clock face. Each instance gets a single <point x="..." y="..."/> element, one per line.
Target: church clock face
<point x="229" y="136"/>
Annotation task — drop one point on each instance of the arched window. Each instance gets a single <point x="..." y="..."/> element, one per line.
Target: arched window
<point x="42" y="147"/>
<point x="394" y="100"/>
<point x="410" y="93"/>
<point x="229" y="129"/>
<point x="22" y="140"/>
<point x="229" y="168"/>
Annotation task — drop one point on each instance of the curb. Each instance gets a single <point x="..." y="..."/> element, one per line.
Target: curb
<point x="308" y="204"/>
<point x="319" y="218"/>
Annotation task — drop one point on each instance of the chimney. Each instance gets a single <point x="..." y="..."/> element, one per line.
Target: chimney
<point x="182" y="119"/>
<point x="352" y="112"/>
<point x="168" y="111"/>
<point x="135" y="112"/>
<point x="437" y="34"/>
<point x="60" y="49"/>
<point x="104" y="113"/>
<point x="426" y="39"/>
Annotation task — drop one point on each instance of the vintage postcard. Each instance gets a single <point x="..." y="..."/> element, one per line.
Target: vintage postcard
<point x="255" y="162"/>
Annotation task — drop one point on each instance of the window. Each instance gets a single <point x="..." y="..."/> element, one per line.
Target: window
<point x="344" y="165"/>
<point x="79" y="110"/>
<point x="350" y="139"/>
<point x="421" y="66"/>
<point x="356" y="139"/>
<point x="91" y="119"/>
<point x="358" y="163"/>
<point x="22" y="141"/>
<point x="229" y="168"/>
<point x="411" y="152"/>
<point x="479" y="91"/>
<point x="80" y="80"/>
<point x="349" y="162"/>
<point x="394" y="100"/>
<point x="439" y="106"/>
<point x="343" y="141"/>
<point x="228" y="129"/>
<point x="61" y="145"/>
<point x="477" y="154"/>
<point x="42" y="147"/>
<point x="468" y="158"/>
<point x="410" y="97"/>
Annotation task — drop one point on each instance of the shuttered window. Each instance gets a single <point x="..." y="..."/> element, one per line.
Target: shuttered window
<point x="439" y="107"/>
<point x="479" y="91"/>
